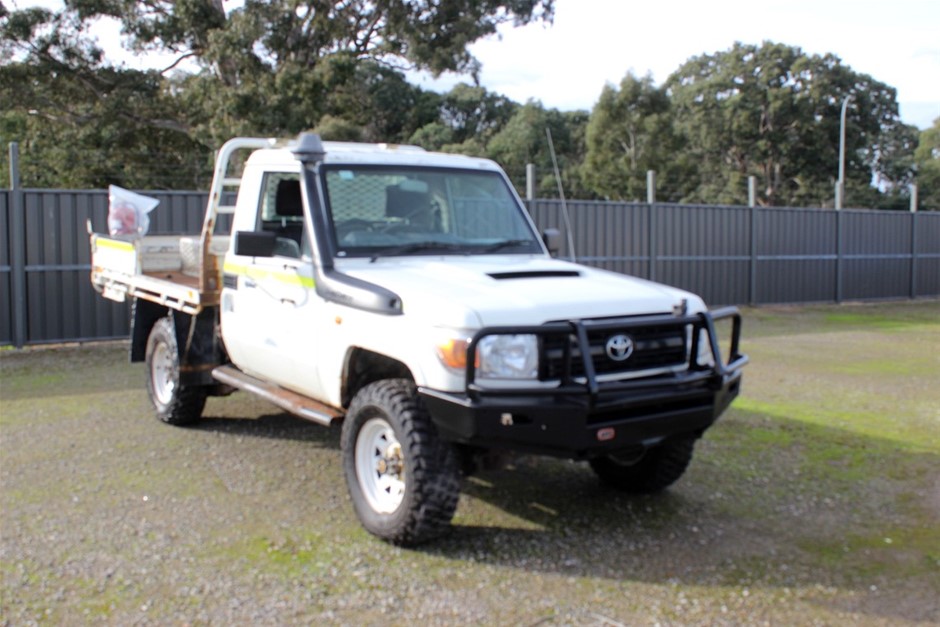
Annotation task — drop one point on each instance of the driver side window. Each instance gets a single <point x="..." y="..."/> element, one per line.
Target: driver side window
<point x="282" y="213"/>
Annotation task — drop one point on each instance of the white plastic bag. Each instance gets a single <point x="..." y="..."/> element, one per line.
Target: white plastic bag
<point x="127" y="212"/>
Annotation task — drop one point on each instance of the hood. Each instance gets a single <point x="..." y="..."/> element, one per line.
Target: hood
<point x="494" y="290"/>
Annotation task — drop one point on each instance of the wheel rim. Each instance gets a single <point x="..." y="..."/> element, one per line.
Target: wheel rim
<point x="380" y="466"/>
<point x="163" y="373"/>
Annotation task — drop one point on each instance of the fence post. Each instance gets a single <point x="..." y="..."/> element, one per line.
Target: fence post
<point x="751" y="191"/>
<point x="651" y="235"/>
<point x="17" y="249"/>
<point x="913" y="242"/>
<point x="838" y="256"/>
<point x="530" y="181"/>
<point x="752" y="287"/>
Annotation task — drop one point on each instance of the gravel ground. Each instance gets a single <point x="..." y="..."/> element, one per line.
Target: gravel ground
<point x="815" y="500"/>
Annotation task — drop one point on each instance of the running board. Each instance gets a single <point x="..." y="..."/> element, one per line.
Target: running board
<point x="296" y="404"/>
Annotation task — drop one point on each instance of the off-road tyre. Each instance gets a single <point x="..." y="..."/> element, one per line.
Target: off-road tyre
<point x="175" y="403"/>
<point x="403" y="480"/>
<point x="656" y="470"/>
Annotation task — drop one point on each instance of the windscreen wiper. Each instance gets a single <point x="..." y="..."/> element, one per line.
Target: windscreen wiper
<point x="506" y="243"/>
<point x="415" y="247"/>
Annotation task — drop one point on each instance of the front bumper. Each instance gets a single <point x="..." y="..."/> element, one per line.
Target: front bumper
<point x="583" y="417"/>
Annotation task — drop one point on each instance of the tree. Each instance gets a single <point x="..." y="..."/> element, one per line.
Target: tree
<point x="268" y="68"/>
<point x="927" y="160"/>
<point x="467" y="118"/>
<point x="473" y="113"/>
<point x="630" y="132"/>
<point x="522" y="140"/>
<point x="277" y="67"/>
<point x="82" y="123"/>
<point x="773" y="112"/>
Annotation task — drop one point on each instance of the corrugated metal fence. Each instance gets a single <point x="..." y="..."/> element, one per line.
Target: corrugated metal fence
<point x="729" y="255"/>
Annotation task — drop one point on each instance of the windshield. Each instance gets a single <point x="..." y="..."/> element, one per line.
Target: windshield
<point x="394" y="211"/>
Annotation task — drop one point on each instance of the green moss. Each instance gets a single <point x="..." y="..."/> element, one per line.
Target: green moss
<point x="892" y="551"/>
<point x="871" y="424"/>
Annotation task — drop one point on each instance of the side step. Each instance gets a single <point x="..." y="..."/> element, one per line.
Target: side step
<point x="285" y="399"/>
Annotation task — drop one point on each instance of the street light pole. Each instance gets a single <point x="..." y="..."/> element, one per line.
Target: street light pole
<point x="840" y="185"/>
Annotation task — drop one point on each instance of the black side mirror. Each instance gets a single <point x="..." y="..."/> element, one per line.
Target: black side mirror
<point x="552" y="239"/>
<point x="255" y="243"/>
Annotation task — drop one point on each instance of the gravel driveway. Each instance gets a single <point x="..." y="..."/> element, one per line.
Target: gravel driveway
<point x="815" y="500"/>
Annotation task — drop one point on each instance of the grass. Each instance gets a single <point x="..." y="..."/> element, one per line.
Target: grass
<point x="815" y="499"/>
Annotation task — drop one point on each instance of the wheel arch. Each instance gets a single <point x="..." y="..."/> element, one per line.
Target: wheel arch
<point x="144" y="314"/>
<point x="362" y="366"/>
<point x="199" y="347"/>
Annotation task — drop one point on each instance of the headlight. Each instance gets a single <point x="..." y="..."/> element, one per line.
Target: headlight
<point x="508" y="357"/>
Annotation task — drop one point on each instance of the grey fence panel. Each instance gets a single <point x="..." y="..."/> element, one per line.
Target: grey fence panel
<point x="6" y="271"/>
<point x="926" y="274"/>
<point x="612" y="236"/>
<point x="795" y="255"/>
<point x="876" y="255"/>
<point x="61" y="304"/>
<point x="704" y="249"/>
<point x="725" y="254"/>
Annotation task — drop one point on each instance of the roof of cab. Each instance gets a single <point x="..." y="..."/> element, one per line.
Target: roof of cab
<point x="371" y="154"/>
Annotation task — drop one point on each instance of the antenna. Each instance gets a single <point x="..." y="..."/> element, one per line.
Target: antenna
<point x="561" y="194"/>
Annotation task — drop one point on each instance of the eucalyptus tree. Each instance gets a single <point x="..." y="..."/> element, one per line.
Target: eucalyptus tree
<point x="927" y="163"/>
<point x="278" y="66"/>
<point x="630" y="132"/>
<point x="82" y="122"/>
<point x="522" y="140"/>
<point x="773" y="111"/>
<point x="268" y="67"/>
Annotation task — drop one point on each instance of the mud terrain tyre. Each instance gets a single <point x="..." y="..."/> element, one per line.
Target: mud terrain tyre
<point x="403" y="480"/>
<point x="656" y="470"/>
<point x="175" y="404"/>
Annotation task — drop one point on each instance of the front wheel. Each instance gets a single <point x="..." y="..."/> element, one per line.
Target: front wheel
<point x="657" y="469"/>
<point x="403" y="480"/>
<point x="175" y="403"/>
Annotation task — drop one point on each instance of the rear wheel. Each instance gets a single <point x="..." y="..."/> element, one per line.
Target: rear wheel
<point x="657" y="469"/>
<point x="403" y="480"/>
<point x="175" y="403"/>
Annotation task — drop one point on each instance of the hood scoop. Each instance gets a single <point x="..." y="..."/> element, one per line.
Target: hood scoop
<point x="534" y="274"/>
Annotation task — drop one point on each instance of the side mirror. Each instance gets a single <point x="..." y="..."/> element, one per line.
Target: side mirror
<point x="255" y="243"/>
<point x="552" y="239"/>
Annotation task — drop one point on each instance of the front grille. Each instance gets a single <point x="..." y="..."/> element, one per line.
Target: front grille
<point x="654" y="346"/>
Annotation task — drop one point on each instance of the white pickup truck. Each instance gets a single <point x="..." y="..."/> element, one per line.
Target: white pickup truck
<point x="409" y="294"/>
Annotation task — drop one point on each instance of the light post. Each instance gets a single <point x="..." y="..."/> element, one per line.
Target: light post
<point x="840" y="184"/>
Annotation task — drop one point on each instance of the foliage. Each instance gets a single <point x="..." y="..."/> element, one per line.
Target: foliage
<point x="269" y="68"/>
<point x="927" y="160"/>
<point x="522" y="140"/>
<point x="83" y="123"/>
<point x="281" y="67"/>
<point x="630" y="132"/>
<point x="773" y="112"/>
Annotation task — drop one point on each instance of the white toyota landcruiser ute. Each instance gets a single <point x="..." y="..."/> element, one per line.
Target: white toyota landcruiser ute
<point x="409" y="295"/>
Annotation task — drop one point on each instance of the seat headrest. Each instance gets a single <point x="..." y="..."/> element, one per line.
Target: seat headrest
<point x="403" y="203"/>
<point x="287" y="201"/>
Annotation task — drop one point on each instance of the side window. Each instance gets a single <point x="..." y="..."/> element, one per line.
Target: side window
<point x="282" y="213"/>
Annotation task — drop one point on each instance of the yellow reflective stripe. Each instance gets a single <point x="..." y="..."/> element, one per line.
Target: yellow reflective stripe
<point x="254" y="272"/>
<point x="116" y="244"/>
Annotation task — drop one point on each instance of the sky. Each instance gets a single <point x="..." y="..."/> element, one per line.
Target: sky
<point x="591" y="43"/>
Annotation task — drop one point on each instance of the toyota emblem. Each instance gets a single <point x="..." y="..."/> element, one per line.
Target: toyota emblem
<point x="620" y="347"/>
